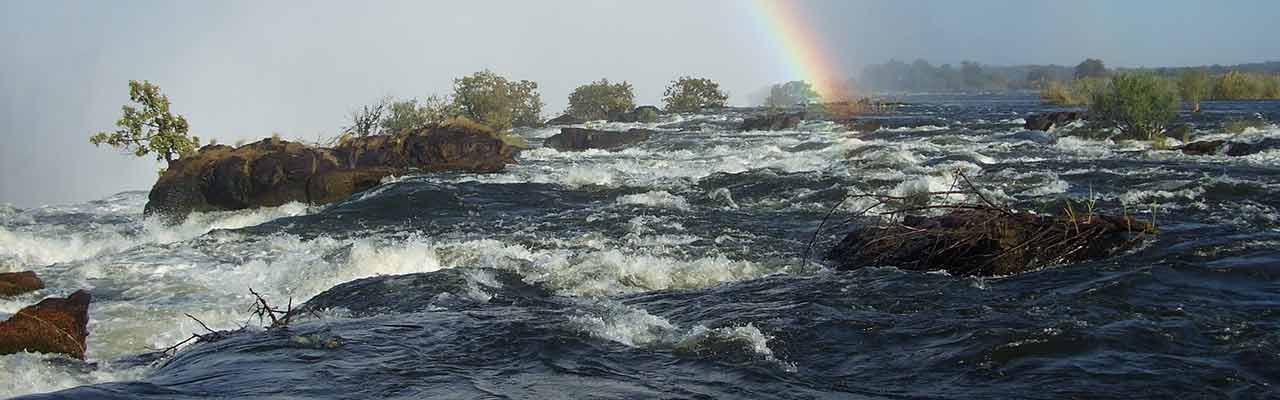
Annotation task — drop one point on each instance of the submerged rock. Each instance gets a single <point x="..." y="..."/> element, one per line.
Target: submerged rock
<point x="273" y="172"/>
<point x="578" y="139"/>
<point x="986" y="242"/>
<point x="565" y="120"/>
<point x="16" y="283"/>
<point x="772" y="122"/>
<point x="1045" y="121"/>
<point x="54" y="325"/>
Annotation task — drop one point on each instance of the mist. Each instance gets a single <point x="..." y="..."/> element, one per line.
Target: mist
<point x="245" y="70"/>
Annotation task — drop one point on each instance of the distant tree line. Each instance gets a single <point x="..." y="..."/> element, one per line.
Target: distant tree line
<point x="1247" y="81"/>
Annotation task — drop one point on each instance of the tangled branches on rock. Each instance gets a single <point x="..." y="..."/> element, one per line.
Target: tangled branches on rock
<point x="975" y="236"/>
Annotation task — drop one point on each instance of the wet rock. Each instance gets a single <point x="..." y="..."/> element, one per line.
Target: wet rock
<point x="565" y="120"/>
<point x="639" y="114"/>
<point x="16" y="283"/>
<point x="273" y="172"/>
<point x="1229" y="148"/>
<point x="863" y="125"/>
<point x="772" y="122"/>
<point x="1040" y="137"/>
<point x="1045" y="121"/>
<point x="578" y="139"/>
<point x="987" y="242"/>
<point x="54" y="325"/>
<point x="1201" y="148"/>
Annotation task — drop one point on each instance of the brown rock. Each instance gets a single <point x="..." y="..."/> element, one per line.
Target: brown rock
<point x="272" y="172"/>
<point x="16" y="283"/>
<point x="54" y="325"/>
<point x="578" y="139"/>
<point x="987" y="242"/>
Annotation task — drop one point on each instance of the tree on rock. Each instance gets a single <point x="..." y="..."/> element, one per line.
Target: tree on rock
<point x="149" y="128"/>
<point x="1091" y="68"/>
<point x="601" y="99"/>
<point x="790" y="94"/>
<point x="492" y="100"/>
<point x="688" y="94"/>
<point x="1140" y="105"/>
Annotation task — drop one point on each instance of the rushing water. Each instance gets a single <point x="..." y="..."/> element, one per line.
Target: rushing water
<point x="674" y="269"/>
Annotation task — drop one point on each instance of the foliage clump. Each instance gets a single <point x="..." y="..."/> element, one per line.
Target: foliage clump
<point x="150" y="127"/>
<point x="1091" y="68"/>
<point x="497" y="102"/>
<point x="1193" y="86"/>
<point x="790" y="94"/>
<point x="410" y="115"/>
<point x="601" y="99"/>
<point x="1141" y="106"/>
<point x="688" y="94"/>
<point x="1075" y="93"/>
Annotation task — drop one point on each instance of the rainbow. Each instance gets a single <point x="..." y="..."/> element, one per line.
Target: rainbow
<point x="805" y="55"/>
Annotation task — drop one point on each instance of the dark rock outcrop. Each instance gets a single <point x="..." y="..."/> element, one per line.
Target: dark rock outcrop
<point x="578" y="139"/>
<point x="273" y="172"/>
<point x="16" y="283"/>
<point x="565" y="120"/>
<point x="1229" y="148"/>
<point x="986" y="242"/>
<point x="53" y="325"/>
<point x="638" y="114"/>
<point x="1043" y="122"/>
<point x="772" y="122"/>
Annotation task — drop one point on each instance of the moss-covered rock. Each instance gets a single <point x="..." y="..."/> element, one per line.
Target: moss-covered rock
<point x="272" y="172"/>
<point x="16" y="283"/>
<point x="54" y="325"/>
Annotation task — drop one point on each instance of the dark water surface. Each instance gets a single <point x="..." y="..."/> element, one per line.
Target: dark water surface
<point x="674" y="270"/>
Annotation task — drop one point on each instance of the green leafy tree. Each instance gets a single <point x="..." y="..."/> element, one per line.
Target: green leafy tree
<point x="1091" y="68"/>
<point x="600" y="99"/>
<point x="688" y="94"/>
<point x="410" y="115"/>
<point x="150" y="127"/>
<point x="1238" y="86"/>
<point x="1193" y="86"/>
<point x="1140" y="105"/>
<point x="791" y="93"/>
<point x="492" y="100"/>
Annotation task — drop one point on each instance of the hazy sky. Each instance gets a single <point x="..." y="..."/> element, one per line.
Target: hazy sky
<point x="245" y="69"/>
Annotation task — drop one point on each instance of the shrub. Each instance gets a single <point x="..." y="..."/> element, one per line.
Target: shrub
<point x="1091" y="68"/>
<point x="600" y="99"/>
<point x="1237" y="86"/>
<point x="368" y="120"/>
<point x="646" y="115"/>
<point x="1075" y="93"/>
<point x="791" y="93"/>
<point x="492" y="100"/>
<point x="1139" y="105"/>
<point x="688" y="94"/>
<point x="1193" y="86"/>
<point x="150" y="128"/>
<point x="409" y="115"/>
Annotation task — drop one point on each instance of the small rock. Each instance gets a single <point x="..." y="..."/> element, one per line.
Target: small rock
<point x="578" y="139"/>
<point x="565" y="120"/>
<point x="16" y="283"/>
<point x="54" y="325"/>
<point x="1045" y="121"/>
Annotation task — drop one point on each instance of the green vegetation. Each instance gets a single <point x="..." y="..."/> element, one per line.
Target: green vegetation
<point x="791" y="93"/>
<point x="1246" y="86"/>
<point x="409" y="115"/>
<point x="492" y="100"/>
<point x="688" y="94"/>
<point x="151" y="128"/>
<point x="1075" y="93"/>
<point x="600" y="99"/>
<point x="1141" y="106"/>
<point x="1091" y="68"/>
<point x="1193" y="86"/>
